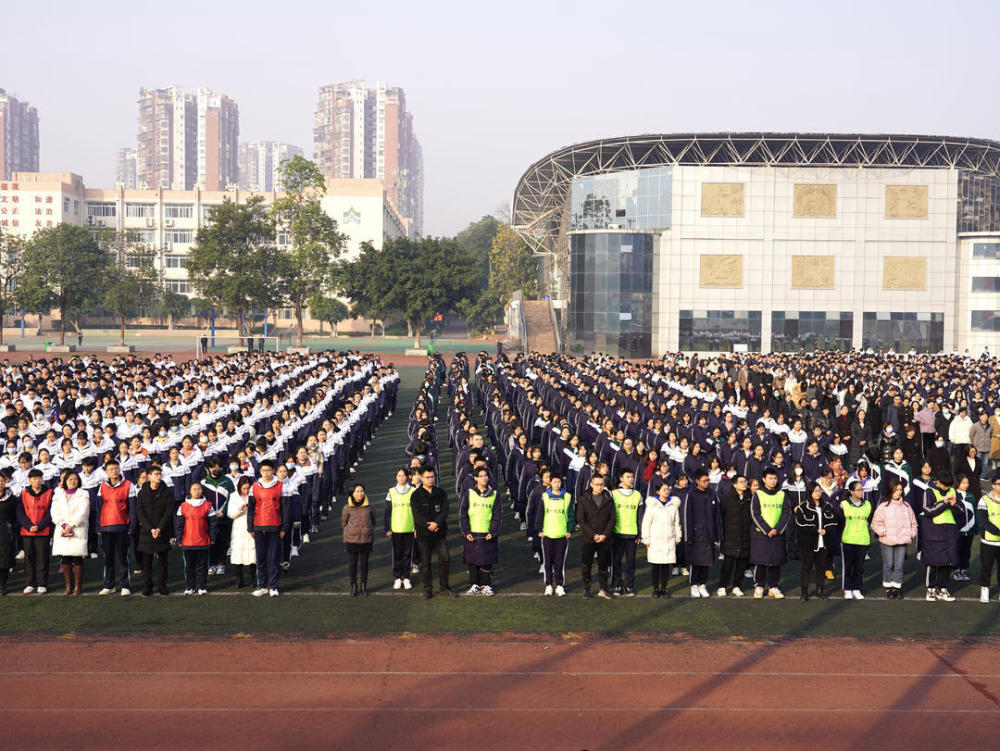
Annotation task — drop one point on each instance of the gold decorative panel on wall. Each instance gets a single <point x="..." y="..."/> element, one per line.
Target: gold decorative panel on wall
<point x="815" y="200"/>
<point x="722" y="199"/>
<point x="720" y="271"/>
<point x="905" y="201"/>
<point x="812" y="272"/>
<point x="902" y="272"/>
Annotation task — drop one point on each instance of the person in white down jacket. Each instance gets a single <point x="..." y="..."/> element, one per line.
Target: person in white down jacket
<point x="661" y="533"/>
<point x="242" y="553"/>
<point x="71" y="522"/>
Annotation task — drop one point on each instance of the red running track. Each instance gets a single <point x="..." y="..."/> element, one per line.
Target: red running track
<point x="482" y="692"/>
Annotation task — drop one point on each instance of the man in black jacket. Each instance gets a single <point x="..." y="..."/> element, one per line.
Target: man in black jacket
<point x="734" y="510"/>
<point x="429" y="504"/>
<point x="596" y="515"/>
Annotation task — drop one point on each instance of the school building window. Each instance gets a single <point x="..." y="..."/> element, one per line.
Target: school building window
<point x="986" y="284"/>
<point x="719" y="330"/>
<point x="178" y="211"/>
<point x="177" y="286"/>
<point x="792" y="330"/>
<point x="102" y="209"/>
<point x="985" y="320"/>
<point x="139" y="210"/>
<point x="986" y="250"/>
<point x="901" y="332"/>
<point x="175" y="262"/>
<point x="179" y="236"/>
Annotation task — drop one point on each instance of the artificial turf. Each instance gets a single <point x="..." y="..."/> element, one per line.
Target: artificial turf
<point x="315" y="602"/>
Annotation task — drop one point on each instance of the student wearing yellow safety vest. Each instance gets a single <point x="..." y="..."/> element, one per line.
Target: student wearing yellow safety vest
<point x="943" y="517"/>
<point x="628" y="505"/>
<point x="989" y="544"/>
<point x="479" y="516"/>
<point x="555" y="519"/>
<point x="398" y="520"/>
<point x="770" y="513"/>
<point x="854" y="514"/>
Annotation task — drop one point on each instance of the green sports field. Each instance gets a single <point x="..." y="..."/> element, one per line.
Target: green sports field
<point x="315" y="599"/>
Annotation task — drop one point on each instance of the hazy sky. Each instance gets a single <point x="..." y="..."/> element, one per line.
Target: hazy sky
<point x="493" y="87"/>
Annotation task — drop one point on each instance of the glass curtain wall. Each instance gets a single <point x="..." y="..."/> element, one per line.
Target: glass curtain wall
<point x="719" y="330"/>
<point x="901" y="332"/>
<point x="794" y="330"/>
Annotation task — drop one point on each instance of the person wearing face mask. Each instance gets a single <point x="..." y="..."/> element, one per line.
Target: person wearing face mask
<point x="943" y="516"/>
<point x="939" y="458"/>
<point x="896" y="527"/>
<point x="794" y="487"/>
<point x="814" y="518"/>
<point x="8" y="522"/>
<point x="216" y="488"/>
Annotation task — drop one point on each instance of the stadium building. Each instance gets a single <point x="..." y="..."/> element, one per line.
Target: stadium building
<point x="769" y="242"/>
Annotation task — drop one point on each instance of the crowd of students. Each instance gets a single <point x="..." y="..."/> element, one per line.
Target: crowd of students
<point x="236" y="460"/>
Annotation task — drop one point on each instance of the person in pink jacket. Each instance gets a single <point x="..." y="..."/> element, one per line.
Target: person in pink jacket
<point x="896" y="527"/>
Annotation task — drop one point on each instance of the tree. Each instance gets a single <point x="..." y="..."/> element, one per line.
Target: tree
<point x="235" y="262"/>
<point x="512" y="266"/>
<point x="482" y="312"/>
<point x="328" y="309"/>
<point x="477" y="239"/>
<point x="131" y="278"/>
<point x="64" y="268"/>
<point x="312" y="235"/>
<point x="173" y="305"/>
<point x="417" y="277"/>
<point x="12" y="249"/>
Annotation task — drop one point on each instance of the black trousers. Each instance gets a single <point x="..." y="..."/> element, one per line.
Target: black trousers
<point x="437" y="545"/>
<point x="938" y="576"/>
<point x="989" y="557"/>
<point x="733" y="567"/>
<point x="699" y="575"/>
<point x="589" y="549"/>
<point x="219" y="556"/>
<point x="115" y="546"/>
<point x="964" y="550"/>
<point x="661" y="575"/>
<point x="813" y="559"/>
<point x="402" y="554"/>
<point x="623" y="566"/>
<point x="357" y="563"/>
<point x="36" y="560"/>
<point x="146" y="562"/>
<point x="196" y="568"/>
<point x="853" y="561"/>
<point x="766" y="576"/>
<point x="480" y="576"/>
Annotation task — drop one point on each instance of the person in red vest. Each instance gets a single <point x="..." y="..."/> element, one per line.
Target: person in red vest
<point x="33" y="514"/>
<point x="117" y="519"/>
<point x="268" y="519"/>
<point x="195" y="527"/>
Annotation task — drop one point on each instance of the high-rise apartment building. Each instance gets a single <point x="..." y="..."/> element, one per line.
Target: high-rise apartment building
<point x="186" y="139"/>
<point x="18" y="136"/>
<point x="125" y="168"/>
<point x="260" y="164"/>
<point x="362" y="132"/>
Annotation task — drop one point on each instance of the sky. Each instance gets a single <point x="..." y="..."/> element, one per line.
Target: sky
<point x="495" y="87"/>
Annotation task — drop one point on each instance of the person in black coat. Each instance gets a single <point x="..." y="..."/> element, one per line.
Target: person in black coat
<point x="155" y="509"/>
<point x="734" y="525"/>
<point x="771" y="514"/>
<point x="699" y="521"/>
<point x="939" y="458"/>
<point x="8" y="522"/>
<point x="814" y="517"/>
<point x="595" y="513"/>
<point x="429" y="504"/>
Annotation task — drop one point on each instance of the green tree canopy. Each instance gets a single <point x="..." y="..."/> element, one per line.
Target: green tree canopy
<point x="312" y="235"/>
<point x="417" y="277"/>
<point x="328" y="309"/>
<point x="12" y="249"/>
<point x="130" y="282"/>
<point x="64" y="268"/>
<point x="477" y="239"/>
<point x="235" y="262"/>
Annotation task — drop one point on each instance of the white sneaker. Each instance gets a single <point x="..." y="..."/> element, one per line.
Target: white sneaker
<point x="775" y="593"/>
<point x="685" y="571"/>
<point x="397" y="584"/>
<point x="406" y="584"/>
<point x="748" y="574"/>
<point x="202" y="592"/>
<point x="931" y="595"/>
<point x="541" y="569"/>
<point x="27" y="590"/>
<point x="188" y="592"/>
<point x="294" y="552"/>
<point x="106" y="591"/>
<point x="42" y="590"/>
<point x="285" y="565"/>
<point x="222" y="570"/>
<point x="703" y="590"/>
<point x="720" y="592"/>
<point x="984" y="594"/>
<point x="487" y="590"/>
<point x="848" y="594"/>
<point x="536" y="556"/>
<point x="19" y="556"/>
<point x="548" y="590"/>
<point x="560" y="592"/>
<point x="211" y="570"/>
<point x="695" y="592"/>
<point x="523" y="526"/>
<point x="758" y="593"/>
<point x="260" y="592"/>
<point x="674" y="571"/>
<point x="126" y="592"/>
<point x="93" y="556"/>
<point x="305" y="538"/>
<point x="942" y="594"/>
<point x="517" y="516"/>
<point x="737" y="592"/>
<point x="858" y="595"/>
<point x="473" y="590"/>
<point x="273" y="593"/>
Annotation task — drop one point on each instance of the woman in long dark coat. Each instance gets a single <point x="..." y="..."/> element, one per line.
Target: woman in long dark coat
<point x="861" y="438"/>
<point x="943" y="517"/>
<point x="771" y="513"/>
<point x="8" y="523"/>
